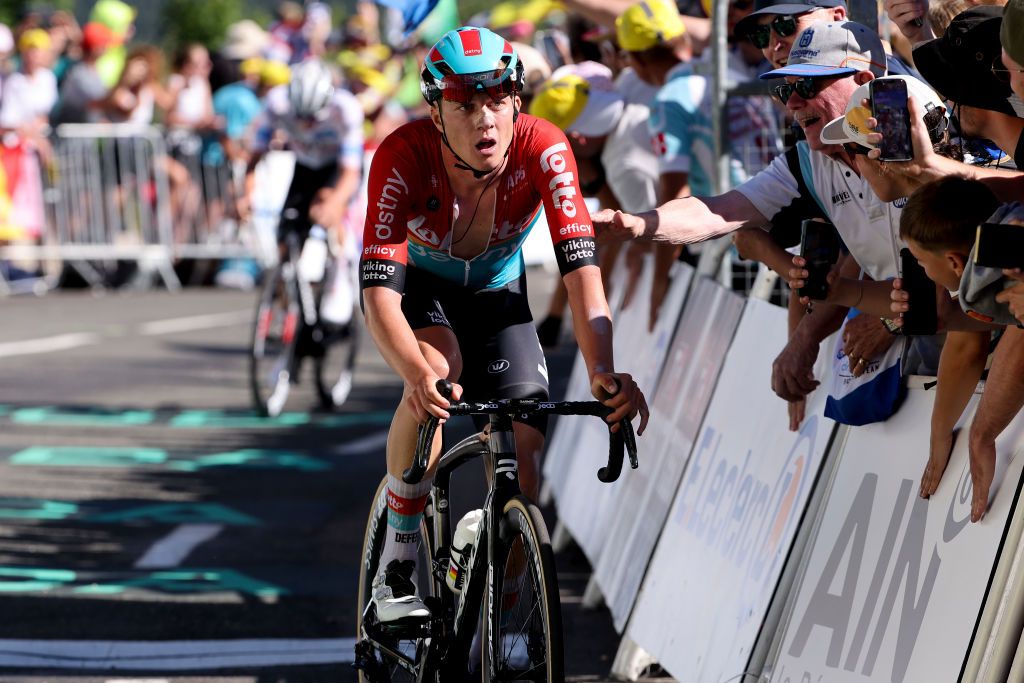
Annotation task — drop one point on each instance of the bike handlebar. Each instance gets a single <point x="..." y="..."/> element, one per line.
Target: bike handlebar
<point x="618" y="442"/>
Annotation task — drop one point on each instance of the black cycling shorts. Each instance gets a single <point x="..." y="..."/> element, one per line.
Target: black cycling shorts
<point x="306" y="183"/>
<point x="501" y="355"/>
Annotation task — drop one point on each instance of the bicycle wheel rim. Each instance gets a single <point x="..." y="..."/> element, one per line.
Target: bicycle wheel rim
<point x="373" y="544"/>
<point x="523" y="624"/>
<point x="275" y="334"/>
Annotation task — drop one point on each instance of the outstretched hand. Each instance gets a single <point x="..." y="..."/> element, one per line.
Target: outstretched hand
<point x="611" y="224"/>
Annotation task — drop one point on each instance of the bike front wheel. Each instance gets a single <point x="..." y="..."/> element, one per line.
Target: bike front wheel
<point x="275" y="334"/>
<point x="400" y="657"/>
<point x="523" y="623"/>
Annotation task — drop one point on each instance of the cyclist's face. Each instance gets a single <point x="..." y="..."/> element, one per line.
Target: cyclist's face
<point x="479" y="130"/>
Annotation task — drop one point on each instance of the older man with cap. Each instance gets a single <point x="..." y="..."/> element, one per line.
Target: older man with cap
<point x="828" y="63"/>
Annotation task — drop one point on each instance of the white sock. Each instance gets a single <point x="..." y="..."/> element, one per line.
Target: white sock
<point x="405" y="507"/>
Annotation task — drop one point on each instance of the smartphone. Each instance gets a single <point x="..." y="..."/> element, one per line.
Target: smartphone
<point x="1000" y="245"/>
<point x="819" y="246"/>
<point x="922" y="318"/>
<point x="889" y="107"/>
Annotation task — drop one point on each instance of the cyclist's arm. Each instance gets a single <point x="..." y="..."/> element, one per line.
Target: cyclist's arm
<point x="592" y="319"/>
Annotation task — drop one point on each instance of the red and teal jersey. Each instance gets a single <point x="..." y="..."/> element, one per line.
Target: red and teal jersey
<point x="411" y="209"/>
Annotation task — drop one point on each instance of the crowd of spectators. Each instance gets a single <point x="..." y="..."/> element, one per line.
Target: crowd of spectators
<point x="629" y="82"/>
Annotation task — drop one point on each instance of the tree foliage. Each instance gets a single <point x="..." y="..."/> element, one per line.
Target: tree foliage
<point x="199" y="21"/>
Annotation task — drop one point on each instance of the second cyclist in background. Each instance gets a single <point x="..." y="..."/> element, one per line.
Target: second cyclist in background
<point x="322" y="125"/>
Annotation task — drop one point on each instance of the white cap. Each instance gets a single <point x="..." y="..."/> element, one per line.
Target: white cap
<point x="852" y="126"/>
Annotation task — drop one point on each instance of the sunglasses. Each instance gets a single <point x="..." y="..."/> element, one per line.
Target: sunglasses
<point x="1001" y="73"/>
<point x="462" y="88"/>
<point x="806" y="87"/>
<point x="784" y="25"/>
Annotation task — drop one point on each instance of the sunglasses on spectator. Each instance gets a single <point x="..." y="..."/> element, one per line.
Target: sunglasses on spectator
<point x="1001" y="72"/>
<point x="806" y="87"/>
<point x="784" y="25"/>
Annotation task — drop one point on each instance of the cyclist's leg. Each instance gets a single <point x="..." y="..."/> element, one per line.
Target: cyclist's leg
<point x="395" y="588"/>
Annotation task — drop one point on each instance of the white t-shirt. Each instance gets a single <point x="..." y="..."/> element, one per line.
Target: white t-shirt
<point x="27" y="97"/>
<point x="194" y="101"/>
<point x="629" y="162"/>
<point x="869" y="227"/>
<point x="336" y="138"/>
<point x="633" y="89"/>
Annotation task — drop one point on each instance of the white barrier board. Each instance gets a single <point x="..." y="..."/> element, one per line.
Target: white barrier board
<point x="894" y="583"/>
<point x="734" y="517"/>
<point x="587" y="505"/>
<point x="690" y="372"/>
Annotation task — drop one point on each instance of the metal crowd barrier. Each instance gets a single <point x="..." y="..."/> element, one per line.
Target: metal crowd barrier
<point x="116" y="193"/>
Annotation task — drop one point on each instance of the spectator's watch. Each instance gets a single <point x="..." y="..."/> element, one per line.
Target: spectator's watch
<point x="891" y="325"/>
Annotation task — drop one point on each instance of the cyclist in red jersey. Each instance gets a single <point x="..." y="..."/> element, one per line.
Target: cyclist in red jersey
<point x="451" y="201"/>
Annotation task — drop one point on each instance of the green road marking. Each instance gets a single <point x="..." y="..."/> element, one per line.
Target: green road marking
<point x="22" y="580"/>
<point x="73" y="456"/>
<point x="257" y="458"/>
<point x="379" y="417"/>
<point x="191" y="419"/>
<point x="250" y="458"/>
<point x="90" y="417"/>
<point x="30" y="508"/>
<point x="177" y="513"/>
<point x="190" y="581"/>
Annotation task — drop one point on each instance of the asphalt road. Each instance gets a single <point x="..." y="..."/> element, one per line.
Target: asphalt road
<point x="153" y="529"/>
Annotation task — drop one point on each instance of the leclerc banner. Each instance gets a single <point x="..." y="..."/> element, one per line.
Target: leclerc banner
<point x="894" y="584"/>
<point x="735" y="515"/>
<point x="587" y="506"/>
<point x="690" y="372"/>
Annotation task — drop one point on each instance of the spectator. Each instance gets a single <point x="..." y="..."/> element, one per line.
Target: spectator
<point x="959" y="65"/>
<point x="67" y="42"/>
<point x="243" y="40"/>
<point x="31" y="92"/>
<point x="939" y="225"/>
<point x="1011" y="36"/>
<point x="834" y="60"/>
<point x="189" y="86"/>
<point x="82" y="93"/>
<point x="119" y="17"/>
<point x="286" y="44"/>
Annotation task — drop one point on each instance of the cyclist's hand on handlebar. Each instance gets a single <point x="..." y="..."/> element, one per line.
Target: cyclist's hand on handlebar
<point x="619" y="391"/>
<point x="425" y="400"/>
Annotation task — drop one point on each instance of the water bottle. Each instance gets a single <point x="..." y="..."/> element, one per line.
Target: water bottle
<point x="313" y="259"/>
<point x="462" y="548"/>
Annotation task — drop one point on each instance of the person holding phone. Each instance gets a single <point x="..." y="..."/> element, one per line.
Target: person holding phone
<point x="829" y="61"/>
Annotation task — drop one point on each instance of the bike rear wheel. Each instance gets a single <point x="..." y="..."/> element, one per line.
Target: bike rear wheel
<point x="275" y="335"/>
<point x="523" y="624"/>
<point x="384" y="669"/>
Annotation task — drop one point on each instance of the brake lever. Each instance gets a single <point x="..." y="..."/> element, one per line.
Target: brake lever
<point x="424" y="439"/>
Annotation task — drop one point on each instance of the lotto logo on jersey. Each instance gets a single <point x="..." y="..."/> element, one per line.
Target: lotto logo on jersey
<point x="563" y="185"/>
<point x="659" y="144"/>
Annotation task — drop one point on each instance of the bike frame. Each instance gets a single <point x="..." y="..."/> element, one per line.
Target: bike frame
<point x="445" y="642"/>
<point x="453" y="625"/>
